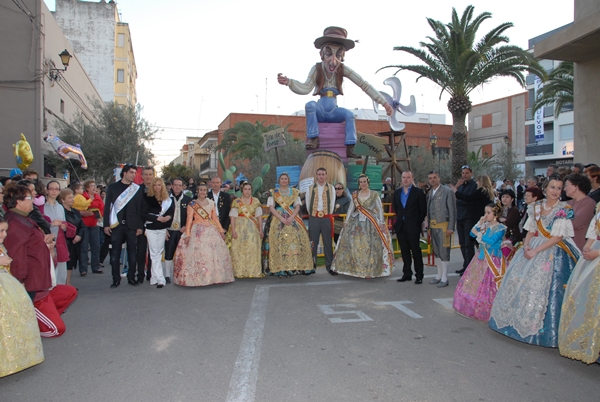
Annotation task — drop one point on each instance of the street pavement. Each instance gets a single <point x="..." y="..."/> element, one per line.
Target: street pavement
<point x="315" y="338"/>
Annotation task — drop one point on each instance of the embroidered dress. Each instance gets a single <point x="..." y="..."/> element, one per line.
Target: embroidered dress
<point x="579" y="329"/>
<point x="246" y="249"/>
<point x="477" y="288"/>
<point x="286" y="248"/>
<point x="202" y="258"/>
<point x="363" y="249"/>
<point x="528" y="304"/>
<point x="20" y="341"/>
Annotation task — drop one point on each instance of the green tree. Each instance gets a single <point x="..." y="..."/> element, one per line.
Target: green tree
<point x="458" y="63"/>
<point x="244" y="140"/>
<point x="292" y="154"/>
<point x="505" y="165"/>
<point x="423" y="161"/>
<point x="172" y="171"/>
<point x="481" y="164"/>
<point x="558" y="89"/>
<point x="120" y="136"/>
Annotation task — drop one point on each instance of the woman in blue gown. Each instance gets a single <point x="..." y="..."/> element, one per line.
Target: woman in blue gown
<point x="528" y="304"/>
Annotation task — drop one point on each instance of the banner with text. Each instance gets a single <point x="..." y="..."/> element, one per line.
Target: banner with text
<point x="539" y="115"/>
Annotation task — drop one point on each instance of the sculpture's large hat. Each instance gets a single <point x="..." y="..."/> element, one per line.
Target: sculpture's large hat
<point x="334" y="35"/>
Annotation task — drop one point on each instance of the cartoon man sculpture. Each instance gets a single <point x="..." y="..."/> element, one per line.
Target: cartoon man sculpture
<point x="326" y="79"/>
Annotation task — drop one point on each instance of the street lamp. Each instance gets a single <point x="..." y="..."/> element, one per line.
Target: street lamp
<point x="506" y="140"/>
<point x="433" y="141"/>
<point x="65" y="58"/>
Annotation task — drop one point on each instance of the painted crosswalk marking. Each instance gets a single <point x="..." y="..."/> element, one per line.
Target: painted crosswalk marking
<point x="400" y="305"/>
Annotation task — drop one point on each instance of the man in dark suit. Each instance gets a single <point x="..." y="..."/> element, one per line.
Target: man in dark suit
<point x="466" y="217"/>
<point x="222" y="201"/>
<point x="177" y="227"/>
<point x="143" y="254"/>
<point x="123" y="211"/>
<point x="411" y="209"/>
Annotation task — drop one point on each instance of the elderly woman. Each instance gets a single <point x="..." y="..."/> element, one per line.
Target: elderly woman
<point x="56" y="213"/>
<point x="538" y="273"/>
<point x="593" y="173"/>
<point x="159" y="211"/>
<point x="342" y="202"/>
<point x="577" y="187"/>
<point x="72" y="216"/>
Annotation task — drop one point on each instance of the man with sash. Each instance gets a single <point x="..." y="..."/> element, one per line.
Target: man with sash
<point x="320" y="202"/>
<point x="222" y="201"/>
<point x="123" y="222"/>
<point x="177" y="227"/>
<point x="441" y="214"/>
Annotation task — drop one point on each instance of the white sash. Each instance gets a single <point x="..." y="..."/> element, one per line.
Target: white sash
<point x="120" y="203"/>
<point x="165" y="205"/>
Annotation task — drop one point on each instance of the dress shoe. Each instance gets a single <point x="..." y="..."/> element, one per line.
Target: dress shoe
<point x="460" y="271"/>
<point x="442" y="284"/>
<point x="159" y="286"/>
<point x="82" y="273"/>
<point x="98" y="272"/>
<point x="333" y="273"/>
<point x="404" y="279"/>
<point x="313" y="143"/>
<point x="132" y="282"/>
<point x="140" y="281"/>
<point x="167" y="280"/>
<point x="434" y="281"/>
<point x="115" y="284"/>
<point x="418" y="281"/>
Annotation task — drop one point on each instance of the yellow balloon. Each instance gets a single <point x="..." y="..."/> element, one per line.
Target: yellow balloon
<point x="23" y="154"/>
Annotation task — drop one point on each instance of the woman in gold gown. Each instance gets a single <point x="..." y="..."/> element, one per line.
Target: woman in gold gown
<point x="286" y="245"/>
<point x="364" y="248"/>
<point x="246" y="235"/>
<point x="20" y="341"/>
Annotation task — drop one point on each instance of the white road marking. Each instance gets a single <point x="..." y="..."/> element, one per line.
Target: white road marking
<point x="400" y="306"/>
<point x="242" y="387"/>
<point x="327" y="309"/>
<point x="445" y="302"/>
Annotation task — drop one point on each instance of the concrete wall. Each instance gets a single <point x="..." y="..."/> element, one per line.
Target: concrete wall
<point x="587" y="116"/>
<point x="91" y="28"/>
<point x="490" y="122"/>
<point x="125" y="92"/>
<point x="585" y="8"/>
<point x="30" y="102"/>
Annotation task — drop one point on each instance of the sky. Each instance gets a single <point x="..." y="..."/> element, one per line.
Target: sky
<point x="200" y="60"/>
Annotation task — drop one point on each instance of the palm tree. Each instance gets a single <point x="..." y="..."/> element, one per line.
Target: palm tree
<point x="458" y="64"/>
<point x="558" y="89"/>
<point x="244" y="140"/>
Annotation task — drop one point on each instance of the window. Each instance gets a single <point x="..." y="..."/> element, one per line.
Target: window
<point x="121" y="40"/>
<point x="496" y="118"/>
<point x="477" y="123"/>
<point x="120" y="75"/>
<point x="62" y="106"/>
<point x="566" y="131"/>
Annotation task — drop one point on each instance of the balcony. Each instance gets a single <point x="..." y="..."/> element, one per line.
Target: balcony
<point x="209" y="164"/>
<point x="548" y="111"/>
<point x="539" y="149"/>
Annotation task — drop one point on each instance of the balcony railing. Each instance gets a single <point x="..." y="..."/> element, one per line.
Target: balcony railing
<point x="548" y="111"/>
<point x="539" y="149"/>
<point x="210" y="163"/>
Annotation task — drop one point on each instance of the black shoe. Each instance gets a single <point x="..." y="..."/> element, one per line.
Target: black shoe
<point x="404" y="279"/>
<point x="460" y="271"/>
<point x="159" y="286"/>
<point x="98" y="272"/>
<point x="418" y="281"/>
<point x="148" y="277"/>
<point x="115" y="284"/>
<point x="167" y="280"/>
<point x="332" y="273"/>
<point x="132" y="282"/>
<point x="140" y="281"/>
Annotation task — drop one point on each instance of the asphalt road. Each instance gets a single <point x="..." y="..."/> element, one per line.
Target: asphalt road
<point x="316" y="338"/>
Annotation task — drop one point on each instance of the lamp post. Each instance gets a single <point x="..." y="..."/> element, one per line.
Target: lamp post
<point x="65" y="58"/>
<point x="433" y="141"/>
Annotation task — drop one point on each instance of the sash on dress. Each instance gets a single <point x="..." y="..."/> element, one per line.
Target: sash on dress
<point x="279" y="198"/>
<point x="498" y="272"/>
<point x="204" y="215"/>
<point x="246" y="214"/>
<point x="120" y="203"/>
<point x="560" y="244"/>
<point x="374" y="222"/>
